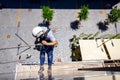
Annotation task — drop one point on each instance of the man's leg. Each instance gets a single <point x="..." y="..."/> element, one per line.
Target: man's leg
<point x="42" y="60"/>
<point x="50" y="58"/>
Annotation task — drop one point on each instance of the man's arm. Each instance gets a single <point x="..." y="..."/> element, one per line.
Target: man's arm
<point x="36" y="41"/>
<point x="53" y="43"/>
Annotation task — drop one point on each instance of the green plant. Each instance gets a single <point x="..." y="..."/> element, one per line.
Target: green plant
<point x="47" y="13"/>
<point x="117" y="37"/>
<point x="114" y="15"/>
<point x="75" y="41"/>
<point x="83" y="14"/>
<point x="96" y="34"/>
<point x="106" y="36"/>
<point x="83" y="35"/>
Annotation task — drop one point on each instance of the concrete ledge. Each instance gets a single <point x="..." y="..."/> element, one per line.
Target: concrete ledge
<point x="59" y="70"/>
<point x="59" y="66"/>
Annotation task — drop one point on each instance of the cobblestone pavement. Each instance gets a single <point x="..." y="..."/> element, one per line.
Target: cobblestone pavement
<point x="9" y="19"/>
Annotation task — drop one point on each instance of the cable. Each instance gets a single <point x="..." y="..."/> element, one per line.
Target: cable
<point x="14" y="47"/>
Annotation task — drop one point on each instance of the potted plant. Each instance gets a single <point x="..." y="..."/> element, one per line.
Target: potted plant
<point x="47" y="14"/>
<point x="76" y="53"/>
<point x="75" y="41"/>
<point x="106" y="22"/>
<point x="114" y="16"/>
<point x="83" y="14"/>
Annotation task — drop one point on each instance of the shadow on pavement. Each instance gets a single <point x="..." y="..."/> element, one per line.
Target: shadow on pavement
<point x="74" y="25"/>
<point x="102" y="26"/>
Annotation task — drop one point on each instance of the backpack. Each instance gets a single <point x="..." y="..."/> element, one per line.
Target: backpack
<point x="42" y="37"/>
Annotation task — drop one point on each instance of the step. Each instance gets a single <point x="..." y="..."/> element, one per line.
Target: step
<point x="59" y="70"/>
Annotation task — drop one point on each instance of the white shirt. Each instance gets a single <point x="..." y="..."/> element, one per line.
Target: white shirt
<point x="50" y="35"/>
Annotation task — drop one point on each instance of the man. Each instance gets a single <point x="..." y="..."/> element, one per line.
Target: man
<point x="45" y="36"/>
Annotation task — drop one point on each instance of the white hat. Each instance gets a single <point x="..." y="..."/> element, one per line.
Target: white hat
<point x="37" y="31"/>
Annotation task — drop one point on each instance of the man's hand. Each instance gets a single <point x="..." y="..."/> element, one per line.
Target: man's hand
<point x="53" y="43"/>
<point x="44" y="42"/>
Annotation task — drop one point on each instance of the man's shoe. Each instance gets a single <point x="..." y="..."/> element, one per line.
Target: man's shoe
<point x="50" y="76"/>
<point x="41" y="69"/>
<point x="41" y="76"/>
<point x="49" y="70"/>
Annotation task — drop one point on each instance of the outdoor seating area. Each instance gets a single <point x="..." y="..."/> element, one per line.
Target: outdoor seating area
<point x="105" y="49"/>
<point x="113" y="48"/>
<point x="91" y="47"/>
<point x="99" y="47"/>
